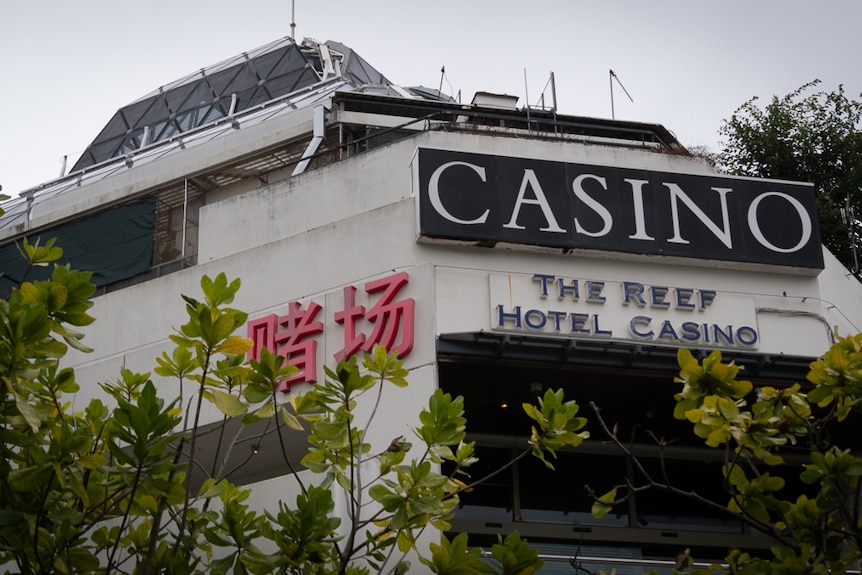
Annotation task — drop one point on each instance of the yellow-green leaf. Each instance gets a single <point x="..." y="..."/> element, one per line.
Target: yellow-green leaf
<point x="223" y="326"/>
<point x="604" y="504"/>
<point x="92" y="461"/>
<point x="405" y="545"/>
<point x="266" y="410"/>
<point x="290" y="420"/>
<point x="149" y="503"/>
<point x="29" y="413"/>
<point x="211" y="489"/>
<point x="24" y="480"/>
<point x="228" y="404"/>
<point x="694" y="415"/>
<point x="77" y="487"/>
<point x="235" y="345"/>
<point x="29" y="293"/>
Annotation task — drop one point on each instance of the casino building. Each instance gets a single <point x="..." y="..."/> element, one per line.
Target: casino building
<point x="502" y="250"/>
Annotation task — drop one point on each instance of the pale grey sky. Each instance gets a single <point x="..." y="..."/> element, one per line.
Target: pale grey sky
<point x="66" y="67"/>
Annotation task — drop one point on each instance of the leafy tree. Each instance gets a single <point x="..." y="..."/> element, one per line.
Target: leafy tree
<point x="121" y="487"/>
<point x="819" y="531"/>
<point x="811" y="137"/>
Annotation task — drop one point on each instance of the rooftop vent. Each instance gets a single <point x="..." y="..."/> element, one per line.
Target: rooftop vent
<point x="495" y="100"/>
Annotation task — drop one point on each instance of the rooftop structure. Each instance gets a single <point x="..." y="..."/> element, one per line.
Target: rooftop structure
<point x="225" y="90"/>
<point x="245" y="122"/>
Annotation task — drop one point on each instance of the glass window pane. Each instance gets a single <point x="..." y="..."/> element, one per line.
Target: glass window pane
<point x="559" y="495"/>
<point x="493" y="500"/>
<point x="658" y="509"/>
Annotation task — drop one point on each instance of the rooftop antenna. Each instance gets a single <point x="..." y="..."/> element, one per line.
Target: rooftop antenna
<point x="553" y="92"/>
<point x="293" y="19"/>
<point x="611" y="79"/>
<point x="440" y="89"/>
<point x="451" y="88"/>
<point x="553" y="85"/>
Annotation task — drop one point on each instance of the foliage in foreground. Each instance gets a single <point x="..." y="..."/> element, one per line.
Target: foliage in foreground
<point x="816" y="532"/>
<point x="110" y="488"/>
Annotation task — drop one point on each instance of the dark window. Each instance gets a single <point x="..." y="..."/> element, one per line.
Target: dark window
<point x="552" y="509"/>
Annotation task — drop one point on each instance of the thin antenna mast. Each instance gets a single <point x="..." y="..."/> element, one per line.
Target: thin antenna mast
<point x="293" y="19"/>
<point x="611" y="77"/>
<point x="552" y="84"/>
<point x="553" y="92"/>
<point x="440" y="89"/>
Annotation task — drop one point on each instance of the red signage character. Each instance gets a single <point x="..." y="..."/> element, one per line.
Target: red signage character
<point x="390" y="318"/>
<point x="286" y="335"/>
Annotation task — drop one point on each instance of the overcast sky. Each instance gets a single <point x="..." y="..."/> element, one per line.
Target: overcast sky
<point x="66" y="67"/>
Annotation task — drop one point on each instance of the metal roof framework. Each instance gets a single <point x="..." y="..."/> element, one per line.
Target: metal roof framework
<point x="223" y="90"/>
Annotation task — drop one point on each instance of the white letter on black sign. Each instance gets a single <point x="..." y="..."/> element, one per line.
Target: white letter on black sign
<point x="676" y="193"/>
<point x="638" y="203"/>
<point x="602" y="211"/>
<point x="541" y="201"/>
<point x="754" y="225"/>
<point x="434" y="193"/>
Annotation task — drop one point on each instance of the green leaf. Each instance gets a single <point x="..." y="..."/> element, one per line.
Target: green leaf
<point x="211" y="488"/>
<point x="330" y="431"/>
<point x="229" y="404"/>
<point x="235" y="345"/>
<point x="148" y="502"/>
<point x="76" y="485"/>
<point x="25" y="479"/>
<point x="28" y="412"/>
<point x="821" y="395"/>
<point x="222" y="328"/>
<point x="223" y="564"/>
<point x="757" y="510"/>
<point x="604" y="504"/>
<point x="265" y="411"/>
<point x="455" y="557"/>
<point x="92" y="461"/>
<point x="405" y="542"/>
<point x="290" y="420"/>
<point x="399" y="519"/>
<point x="514" y="556"/>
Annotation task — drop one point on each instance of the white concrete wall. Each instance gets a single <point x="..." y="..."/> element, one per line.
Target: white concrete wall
<point x="307" y="237"/>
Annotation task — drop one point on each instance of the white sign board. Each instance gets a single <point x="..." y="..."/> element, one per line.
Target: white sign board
<point x="548" y="304"/>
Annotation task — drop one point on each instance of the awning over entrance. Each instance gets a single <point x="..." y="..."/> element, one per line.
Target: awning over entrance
<point x="621" y="355"/>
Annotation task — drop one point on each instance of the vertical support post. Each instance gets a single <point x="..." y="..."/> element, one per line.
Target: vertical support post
<point x="185" y="219"/>
<point x="527" y="98"/>
<point x="516" y="489"/>
<point x="553" y="92"/>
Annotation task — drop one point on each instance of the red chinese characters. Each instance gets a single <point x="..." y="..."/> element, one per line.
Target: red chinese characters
<point x="387" y="322"/>
<point x="349" y="316"/>
<point x="388" y="317"/>
<point x="285" y="335"/>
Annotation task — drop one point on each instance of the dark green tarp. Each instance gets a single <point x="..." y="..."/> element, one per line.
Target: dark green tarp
<point x="115" y="244"/>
